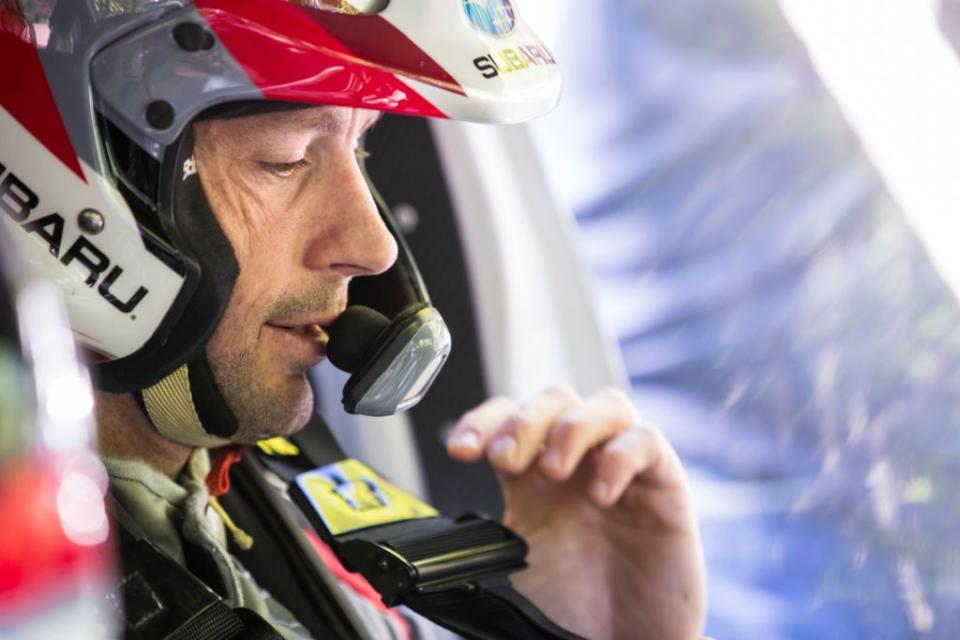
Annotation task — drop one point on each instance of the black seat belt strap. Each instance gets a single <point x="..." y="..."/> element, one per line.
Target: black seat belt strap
<point x="158" y="599"/>
<point x="490" y="611"/>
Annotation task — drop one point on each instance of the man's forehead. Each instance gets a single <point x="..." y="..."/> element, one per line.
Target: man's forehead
<point x="325" y="119"/>
<point x="278" y="127"/>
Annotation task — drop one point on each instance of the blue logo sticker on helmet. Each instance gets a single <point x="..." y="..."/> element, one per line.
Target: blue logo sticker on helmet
<point x="495" y="17"/>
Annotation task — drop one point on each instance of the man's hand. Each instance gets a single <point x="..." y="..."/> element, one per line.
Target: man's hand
<point x="602" y="500"/>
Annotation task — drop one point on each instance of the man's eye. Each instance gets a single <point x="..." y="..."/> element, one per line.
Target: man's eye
<point x="284" y="169"/>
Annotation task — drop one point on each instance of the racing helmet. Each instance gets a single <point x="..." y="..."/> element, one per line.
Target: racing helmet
<point x="98" y="190"/>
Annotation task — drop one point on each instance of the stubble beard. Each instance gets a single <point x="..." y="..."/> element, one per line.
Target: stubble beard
<point x="263" y="410"/>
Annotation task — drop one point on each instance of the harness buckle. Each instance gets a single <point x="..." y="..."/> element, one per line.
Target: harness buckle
<point x="401" y="545"/>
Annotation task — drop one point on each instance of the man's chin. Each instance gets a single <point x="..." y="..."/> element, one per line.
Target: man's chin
<point x="279" y="415"/>
<point x="265" y="432"/>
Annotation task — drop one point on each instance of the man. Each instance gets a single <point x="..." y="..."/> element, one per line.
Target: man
<point x="280" y="212"/>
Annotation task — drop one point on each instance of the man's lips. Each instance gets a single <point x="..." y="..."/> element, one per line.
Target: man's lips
<point x="312" y="330"/>
<point x="307" y="342"/>
<point x="315" y="327"/>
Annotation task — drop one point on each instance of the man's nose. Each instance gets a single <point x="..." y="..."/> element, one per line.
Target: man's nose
<point x="355" y="240"/>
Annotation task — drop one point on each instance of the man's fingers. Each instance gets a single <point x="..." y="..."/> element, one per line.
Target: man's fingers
<point x="621" y="460"/>
<point x="601" y="417"/>
<point x="558" y="429"/>
<point x="472" y="433"/>
<point x="520" y="437"/>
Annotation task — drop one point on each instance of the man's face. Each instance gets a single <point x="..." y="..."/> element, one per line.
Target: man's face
<point x="288" y="192"/>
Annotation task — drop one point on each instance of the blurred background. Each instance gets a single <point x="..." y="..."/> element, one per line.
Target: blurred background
<point x="766" y="194"/>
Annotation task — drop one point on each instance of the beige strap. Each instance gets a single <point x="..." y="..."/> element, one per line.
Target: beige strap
<point x="170" y="406"/>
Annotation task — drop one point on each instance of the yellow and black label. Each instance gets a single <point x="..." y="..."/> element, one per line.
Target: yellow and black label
<point x="278" y="447"/>
<point x="348" y="496"/>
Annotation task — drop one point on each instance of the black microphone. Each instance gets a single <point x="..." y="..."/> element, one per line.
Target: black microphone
<point x="352" y="335"/>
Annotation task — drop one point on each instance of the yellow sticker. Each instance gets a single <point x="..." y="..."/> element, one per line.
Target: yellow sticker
<point x="278" y="447"/>
<point x="348" y="496"/>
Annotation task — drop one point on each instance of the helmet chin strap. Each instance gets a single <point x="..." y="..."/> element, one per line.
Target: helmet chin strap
<point x="188" y="407"/>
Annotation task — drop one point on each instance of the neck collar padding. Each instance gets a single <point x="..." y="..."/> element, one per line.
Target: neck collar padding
<point x="171" y="408"/>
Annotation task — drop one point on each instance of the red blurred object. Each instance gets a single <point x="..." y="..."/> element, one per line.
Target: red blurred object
<point x="38" y="561"/>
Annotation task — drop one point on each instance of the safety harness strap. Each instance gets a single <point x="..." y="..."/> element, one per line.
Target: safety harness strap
<point x="158" y="599"/>
<point x="215" y="622"/>
<point x="489" y="611"/>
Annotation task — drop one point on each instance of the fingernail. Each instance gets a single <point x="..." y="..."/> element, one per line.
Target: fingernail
<point x="601" y="491"/>
<point x="465" y="440"/>
<point x="503" y="449"/>
<point x="552" y="461"/>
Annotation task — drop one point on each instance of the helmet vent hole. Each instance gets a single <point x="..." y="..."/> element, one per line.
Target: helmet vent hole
<point x="192" y="37"/>
<point x="160" y="114"/>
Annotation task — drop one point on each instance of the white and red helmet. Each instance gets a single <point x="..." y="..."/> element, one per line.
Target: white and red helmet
<point x="95" y="111"/>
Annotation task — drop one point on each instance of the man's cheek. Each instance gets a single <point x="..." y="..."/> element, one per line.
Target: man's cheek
<point x="232" y="337"/>
<point x="242" y="212"/>
<point x="254" y="208"/>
